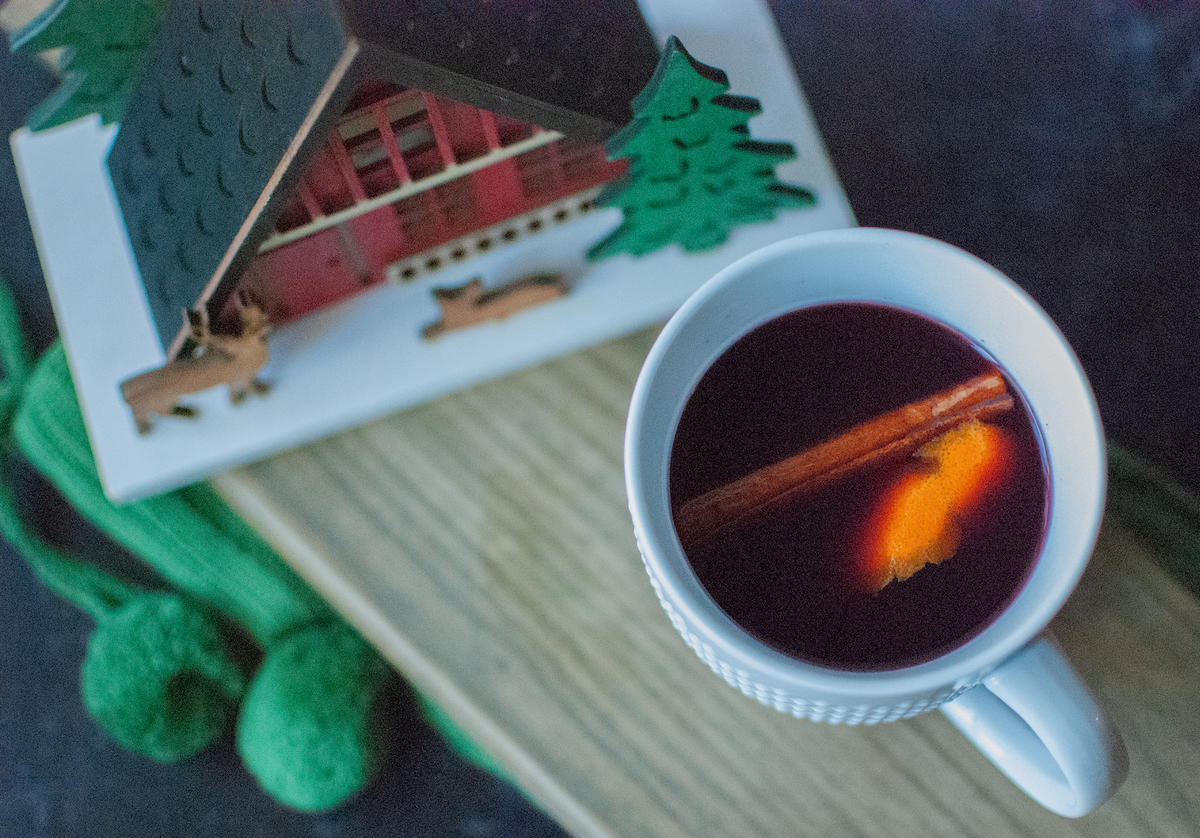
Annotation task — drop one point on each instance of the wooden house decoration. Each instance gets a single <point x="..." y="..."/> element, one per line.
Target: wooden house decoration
<point x="230" y="172"/>
<point x="298" y="153"/>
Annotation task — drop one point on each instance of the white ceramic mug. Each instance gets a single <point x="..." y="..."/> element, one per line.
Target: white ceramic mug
<point x="1009" y="689"/>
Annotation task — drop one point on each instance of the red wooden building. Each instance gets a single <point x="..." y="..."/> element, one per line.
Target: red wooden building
<point x="297" y="150"/>
<point x="403" y="172"/>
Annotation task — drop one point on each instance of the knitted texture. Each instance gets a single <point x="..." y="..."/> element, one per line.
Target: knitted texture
<point x="190" y="536"/>
<point x="304" y="728"/>
<point x="157" y="676"/>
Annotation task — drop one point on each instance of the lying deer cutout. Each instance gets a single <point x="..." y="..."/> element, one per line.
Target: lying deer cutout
<point x="234" y="361"/>
<point x="468" y="305"/>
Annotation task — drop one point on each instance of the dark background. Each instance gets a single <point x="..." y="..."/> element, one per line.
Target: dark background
<point x="1060" y="142"/>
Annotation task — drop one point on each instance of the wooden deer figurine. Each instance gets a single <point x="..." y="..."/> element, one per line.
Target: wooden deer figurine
<point x="234" y="361"/>
<point x="467" y="305"/>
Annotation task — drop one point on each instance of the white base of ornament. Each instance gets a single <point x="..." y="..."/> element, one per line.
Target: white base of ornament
<point x="364" y="358"/>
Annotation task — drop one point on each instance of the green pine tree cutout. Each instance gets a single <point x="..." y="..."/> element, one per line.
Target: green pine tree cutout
<point x="694" y="171"/>
<point x="105" y="41"/>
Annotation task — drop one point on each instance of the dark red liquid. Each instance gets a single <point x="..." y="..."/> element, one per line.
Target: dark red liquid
<point x="799" y="380"/>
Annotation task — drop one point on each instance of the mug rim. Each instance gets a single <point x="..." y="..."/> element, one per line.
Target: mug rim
<point x="1076" y="469"/>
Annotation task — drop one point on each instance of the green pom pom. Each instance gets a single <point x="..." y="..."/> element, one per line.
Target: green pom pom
<point x="304" y="729"/>
<point x="157" y="678"/>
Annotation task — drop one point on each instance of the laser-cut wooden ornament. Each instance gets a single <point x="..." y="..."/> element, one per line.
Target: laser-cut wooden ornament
<point x="469" y="304"/>
<point x="695" y="173"/>
<point x="233" y="361"/>
<point x="238" y="100"/>
<point x="104" y="43"/>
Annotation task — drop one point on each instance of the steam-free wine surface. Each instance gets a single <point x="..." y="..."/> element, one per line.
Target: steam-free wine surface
<point x="785" y="573"/>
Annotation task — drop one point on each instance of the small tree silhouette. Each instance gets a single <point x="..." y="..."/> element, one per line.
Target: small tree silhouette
<point x="104" y="41"/>
<point x="694" y="172"/>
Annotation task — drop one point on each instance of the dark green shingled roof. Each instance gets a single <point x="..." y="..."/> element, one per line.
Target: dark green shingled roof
<point x="200" y="164"/>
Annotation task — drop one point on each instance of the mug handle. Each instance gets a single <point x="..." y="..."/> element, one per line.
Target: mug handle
<point x="1036" y="721"/>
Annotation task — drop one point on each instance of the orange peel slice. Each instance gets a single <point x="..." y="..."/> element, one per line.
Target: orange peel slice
<point x="920" y="518"/>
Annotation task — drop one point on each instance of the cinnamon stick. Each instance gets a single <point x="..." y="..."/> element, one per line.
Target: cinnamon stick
<point x="896" y="433"/>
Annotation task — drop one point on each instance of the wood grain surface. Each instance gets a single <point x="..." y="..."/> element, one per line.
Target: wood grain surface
<point x="482" y="542"/>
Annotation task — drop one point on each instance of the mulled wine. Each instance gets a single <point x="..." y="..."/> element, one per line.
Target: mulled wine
<point x="786" y="572"/>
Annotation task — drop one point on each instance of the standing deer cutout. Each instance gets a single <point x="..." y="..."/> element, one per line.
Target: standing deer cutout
<point x="467" y="305"/>
<point x="234" y="361"/>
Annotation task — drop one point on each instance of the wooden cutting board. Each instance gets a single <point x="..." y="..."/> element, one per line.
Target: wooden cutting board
<point x="482" y="542"/>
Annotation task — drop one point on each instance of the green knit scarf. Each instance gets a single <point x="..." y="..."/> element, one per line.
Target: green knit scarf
<point x="158" y="675"/>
